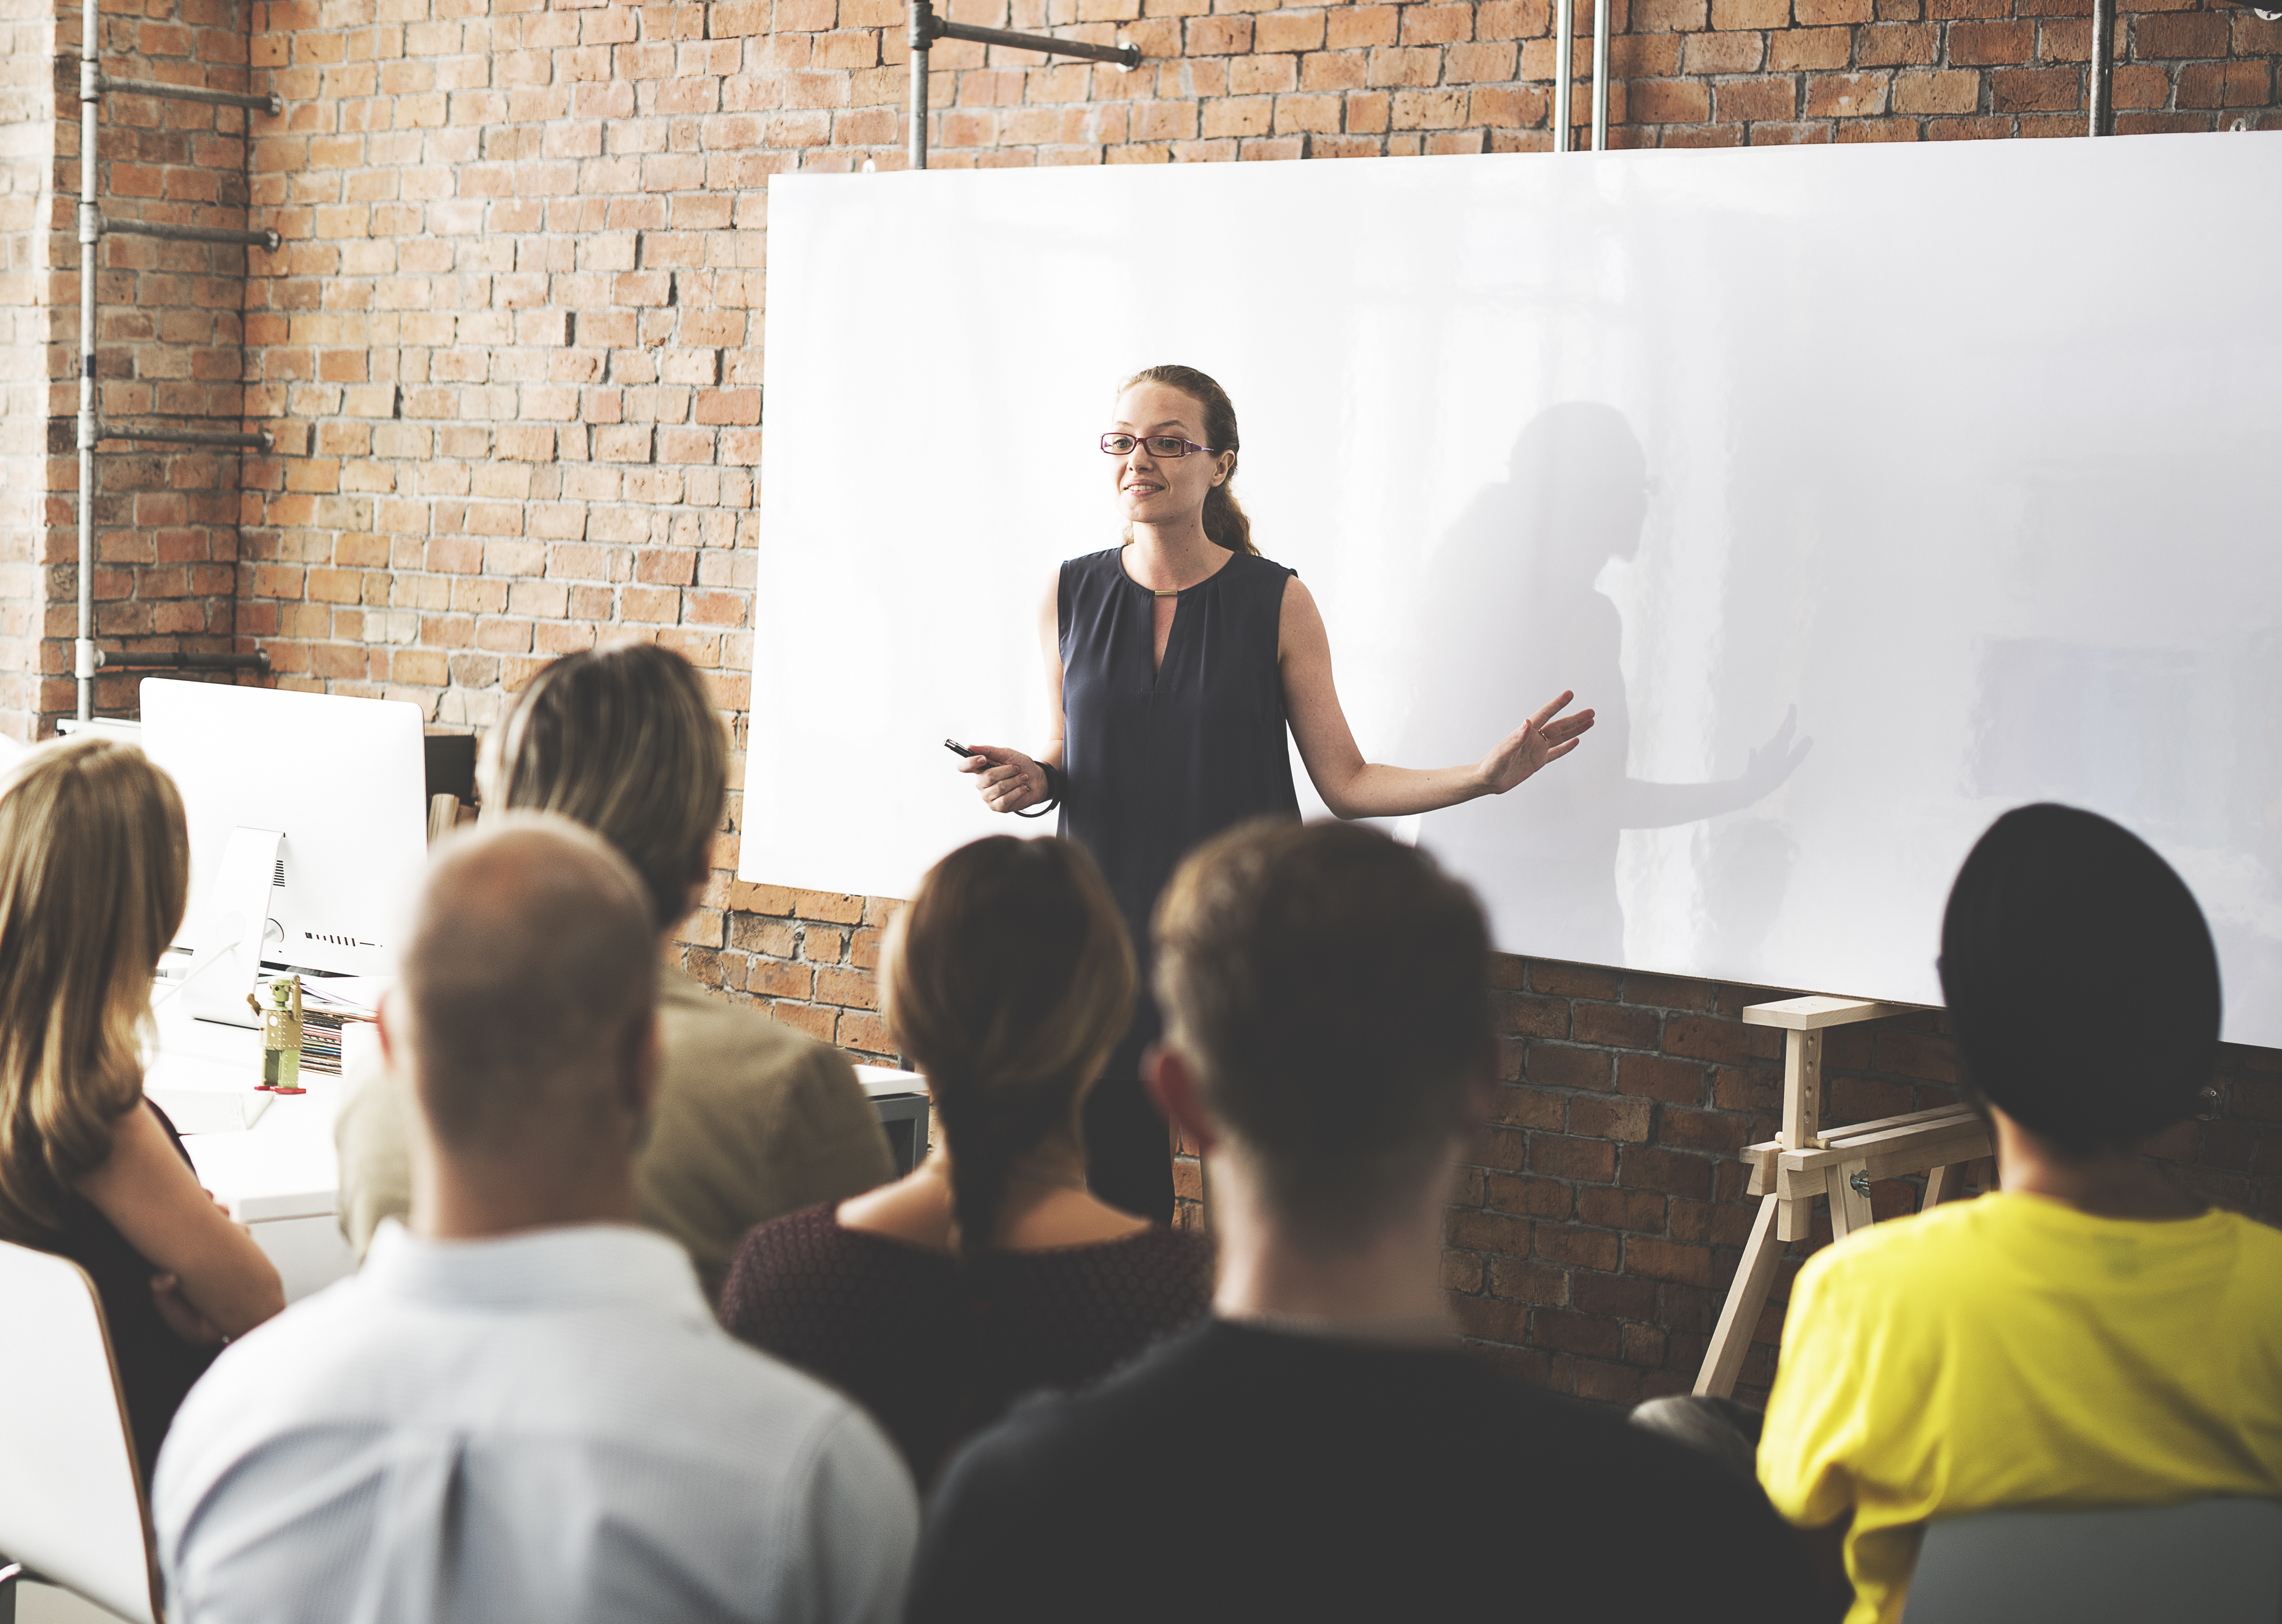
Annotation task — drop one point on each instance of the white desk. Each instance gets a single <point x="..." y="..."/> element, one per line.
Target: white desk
<point x="281" y="1176"/>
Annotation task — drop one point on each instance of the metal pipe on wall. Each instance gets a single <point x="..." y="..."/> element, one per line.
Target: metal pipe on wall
<point x="231" y="440"/>
<point x="270" y="103"/>
<point x="922" y="37"/>
<point x="258" y="660"/>
<point x="927" y="28"/>
<point x="1564" y="32"/>
<point x="265" y="238"/>
<point x="1599" y="75"/>
<point x="87" y="659"/>
<point x="90" y="235"/>
<point x="1125" y="57"/>
<point x="2103" y="64"/>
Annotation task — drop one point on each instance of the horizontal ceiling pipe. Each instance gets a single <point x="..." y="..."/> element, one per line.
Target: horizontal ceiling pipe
<point x="92" y="78"/>
<point x="232" y="439"/>
<point x="1126" y="57"/>
<point x="106" y="226"/>
<point x="258" y="660"/>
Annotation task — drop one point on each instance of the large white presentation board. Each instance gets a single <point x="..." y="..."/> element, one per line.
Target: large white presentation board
<point x="1865" y="492"/>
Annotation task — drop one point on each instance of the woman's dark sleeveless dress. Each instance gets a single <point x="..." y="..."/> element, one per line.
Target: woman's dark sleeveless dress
<point x="155" y="1367"/>
<point x="1158" y="761"/>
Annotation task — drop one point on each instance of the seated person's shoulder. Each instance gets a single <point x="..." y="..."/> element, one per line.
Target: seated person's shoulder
<point x="728" y="1069"/>
<point x="2262" y="1248"/>
<point x="1332" y="1467"/>
<point x="1972" y="1257"/>
<point x="805" y="1249"/>
<point x="696" y="1023"/>
<point x="1902" y="1255"/>
<point x="1144" y="1409"/>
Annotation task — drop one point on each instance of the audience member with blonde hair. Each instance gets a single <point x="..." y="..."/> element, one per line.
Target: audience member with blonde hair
<point x="991" y="1270"/>
<point x="753" y="1120"/>
<point x="93" y="869"/>
<point x="521" y="1407"/>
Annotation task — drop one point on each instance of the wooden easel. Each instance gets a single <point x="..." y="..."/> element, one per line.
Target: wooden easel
<point x="1803" y="1163"/>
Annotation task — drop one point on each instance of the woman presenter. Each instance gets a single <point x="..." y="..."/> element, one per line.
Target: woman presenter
<point x="1174" y="664"/>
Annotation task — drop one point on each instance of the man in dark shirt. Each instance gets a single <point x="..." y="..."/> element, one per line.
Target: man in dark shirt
<point x="1322" y="1448"/>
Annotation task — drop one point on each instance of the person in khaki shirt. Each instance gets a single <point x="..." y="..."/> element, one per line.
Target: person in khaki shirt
<point x="752" y="1120"/>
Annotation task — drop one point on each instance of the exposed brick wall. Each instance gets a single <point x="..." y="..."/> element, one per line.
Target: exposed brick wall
<point x="471" y="481"/>
<point x="1592" y="1242"/>
<point x="1601" y="1215"/>
<point x="168" y="346"/>
<point x="1238" y="79"/>
<point x="511" y="350"/>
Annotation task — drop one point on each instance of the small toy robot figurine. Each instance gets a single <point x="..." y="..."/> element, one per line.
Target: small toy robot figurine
<point x="281" y="1036"/>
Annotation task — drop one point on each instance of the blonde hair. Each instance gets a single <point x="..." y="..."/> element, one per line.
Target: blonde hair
<point x="626" y="742"/>
<point x="1009" y="981"/>
<point x="94" y="871"/>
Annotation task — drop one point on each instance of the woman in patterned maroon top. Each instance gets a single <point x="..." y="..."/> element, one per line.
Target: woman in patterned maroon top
<point x="990" y="1271"/>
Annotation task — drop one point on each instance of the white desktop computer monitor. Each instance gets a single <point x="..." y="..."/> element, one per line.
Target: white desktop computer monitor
<point x="325" y="796"/>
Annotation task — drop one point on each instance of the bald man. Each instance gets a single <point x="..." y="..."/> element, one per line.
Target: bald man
<point x="522" y="1407"/>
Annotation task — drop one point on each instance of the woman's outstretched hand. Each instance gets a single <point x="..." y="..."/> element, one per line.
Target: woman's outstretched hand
<point x="1547" y="736"/>
<point x="1010" y="781"/>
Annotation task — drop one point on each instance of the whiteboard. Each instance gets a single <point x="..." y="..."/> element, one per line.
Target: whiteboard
<point x="1960" y="459"/>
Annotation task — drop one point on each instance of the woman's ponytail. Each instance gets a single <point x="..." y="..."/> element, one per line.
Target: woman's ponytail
<point x="1008" y="979"/>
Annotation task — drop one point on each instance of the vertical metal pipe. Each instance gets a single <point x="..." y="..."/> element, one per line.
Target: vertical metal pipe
<point x="922" y="37"/>
<point x="90" y="235"/>
<point x="1564" y="30"/>
<point x="1599" y="75"/>
<point x="2103" y="64"/>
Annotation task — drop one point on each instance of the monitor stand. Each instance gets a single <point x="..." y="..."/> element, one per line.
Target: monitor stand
<point x="227" y="955"/>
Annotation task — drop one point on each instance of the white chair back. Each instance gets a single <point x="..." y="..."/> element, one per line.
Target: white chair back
<point x="2213" y="1561"/>
<point x="70" y="1502"/>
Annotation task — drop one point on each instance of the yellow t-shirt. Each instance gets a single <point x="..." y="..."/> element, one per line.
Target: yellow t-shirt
<point x="2014" y="1352"/>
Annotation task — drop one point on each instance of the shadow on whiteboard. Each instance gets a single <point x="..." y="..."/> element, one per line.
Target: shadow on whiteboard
<point x="1513" y="610"/>
<point x="2183" y="746"/>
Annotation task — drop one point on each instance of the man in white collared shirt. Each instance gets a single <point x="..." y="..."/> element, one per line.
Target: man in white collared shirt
<point x="522" y="1407"/>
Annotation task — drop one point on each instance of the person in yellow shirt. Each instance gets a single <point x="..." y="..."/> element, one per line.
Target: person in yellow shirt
<point x="2089" y="1337"/>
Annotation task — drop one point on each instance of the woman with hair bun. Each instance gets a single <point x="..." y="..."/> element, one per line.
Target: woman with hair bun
<point x="1174" y="663"/>
<point x="990" y="1272"/>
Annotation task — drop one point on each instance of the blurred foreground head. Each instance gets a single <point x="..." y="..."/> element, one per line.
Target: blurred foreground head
<point x="1330" y="990"/>
<point x="94" y="868"/>
<point x="530" y="991"/>
<point x="2080" y="978"/>
<point x="1008" y="978"/>
<point x="626" y="742"/>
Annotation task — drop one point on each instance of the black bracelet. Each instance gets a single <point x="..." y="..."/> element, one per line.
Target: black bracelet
<point x="1057" y="784"/>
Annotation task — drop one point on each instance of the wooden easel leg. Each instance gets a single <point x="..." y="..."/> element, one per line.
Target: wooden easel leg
<point x="1739" y="1316"/>
<point x="1943" y="1183"/>
<point x="1850" y="1207"/>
